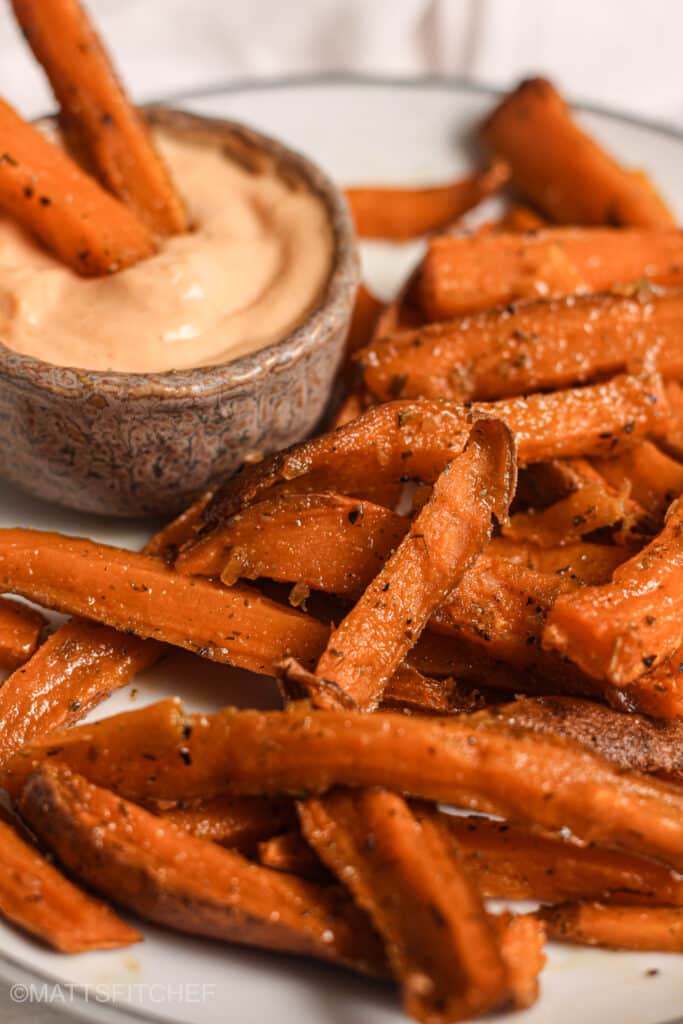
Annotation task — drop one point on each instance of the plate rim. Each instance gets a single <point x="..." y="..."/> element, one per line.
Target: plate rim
<point x="115" y="1012"/>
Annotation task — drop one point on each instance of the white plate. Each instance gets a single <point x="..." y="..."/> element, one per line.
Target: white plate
<point x="359" y="131"/>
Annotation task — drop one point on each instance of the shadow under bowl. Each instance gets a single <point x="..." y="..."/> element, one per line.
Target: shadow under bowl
<point x="138" y="445"/>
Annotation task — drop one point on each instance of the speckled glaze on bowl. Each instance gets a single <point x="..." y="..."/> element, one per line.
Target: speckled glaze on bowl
<point x="129" y="444"/>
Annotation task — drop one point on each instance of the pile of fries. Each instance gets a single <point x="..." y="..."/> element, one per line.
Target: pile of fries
<point x="471" y="591"/>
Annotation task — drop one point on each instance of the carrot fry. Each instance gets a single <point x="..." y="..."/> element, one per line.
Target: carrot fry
<point x="21" y="629"/>
<point x="398" y="214"/>
<point x="236" y="626"/>
<point x="239" y="822"/>
<point x="458" y="760"/>
<point x="40" y="901"/>
<point x="528" y="346"/>
<point x="522" y="938"/>
<point x="581" y="561"/>
<point x="655" y="479"/>
<point x="655" y="929"/>
<point x="465" y="275"/>
<point x="591" y="508"/>
<point x="49" y="195"/>
<point x="441" y="544"/>
<point x="169" y="877"/>
<point x="96" y="109"/>
<point x="629" y="741"/>
<point x="439" y="940"/>
<point x="561" y="169"/>
<point x="80" y="664"/>
<point x="291" y="853"/>
<point x="619" y="630"/>
<point x="671" y="439"/>
<point x="512" y="863"/>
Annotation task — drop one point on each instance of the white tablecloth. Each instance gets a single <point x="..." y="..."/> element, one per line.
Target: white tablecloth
<point x="619" y="53"/>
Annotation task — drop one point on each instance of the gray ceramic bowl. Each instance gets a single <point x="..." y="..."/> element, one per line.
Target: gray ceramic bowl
<point x="128" y="444"/>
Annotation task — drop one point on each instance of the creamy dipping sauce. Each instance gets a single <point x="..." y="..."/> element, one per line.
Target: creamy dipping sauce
<point x="255" y="264"/>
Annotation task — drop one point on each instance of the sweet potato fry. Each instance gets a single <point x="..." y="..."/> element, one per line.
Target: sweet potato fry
<point x="512" y="863"/>
<point x="96" y="109"/>
<point x="367" y="647"/>
<point x="655" y="479"/>
<point x="439" y="939"/>
<point x="80" y="664"/>
<point x="328" y="541"/>
<point x="366" y="311"/>
<point x="48" y="194"/>
<point x="659" y="692"/>
<point x="40" y="901"/>
<point x="21" y="629"/>
<point x="522" y="938"/>
<point x="169" y="877"/>
<point x="528" y="346"/>
<point x="522" y="219"/>
<point x="591" y="508"/>
<point x="411" y="690"/>
<point x="561" y="169"/>
<point x="619" y="630"/>
<point x="398" y="214"/>
<point x="628" y="741"/>
<point x="162" y="753"/>
<point x="465" y="275"/>
<point x="671" y="439"/>
<point x="239" y="822"/>
<point x="138" y="593"/>
<point x="581" y="561"/>
<point x="291" y="853"/>
<point x="655" y="929"/>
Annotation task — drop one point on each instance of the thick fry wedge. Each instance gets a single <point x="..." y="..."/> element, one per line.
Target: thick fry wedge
<point x="138" y="593"/>
<point x="398" y="214"/>
<point x="591" y="508"/>
<point x="655" y="479"/>
<point x="21" y="629"/>
<point x="80" y="664"/>
<point x="465" y="275"/>
<point x="40" y="901"/>
<point x="169" y="877"/>
<point x="561" y="169"/>
<point x="239" y="822"/>
<point x="528" y="346"/>
<point x="440" y="941"/>
<point x="367" y="647"/>
<point x="96" y="109"/>
<point x="621" y="629"/>
<point x="48" y="194"/>
<point x="163" y="754"/>
<point x="656" y="929"/>
<point x="512" y="863"/>
<point x="522" y="938"/>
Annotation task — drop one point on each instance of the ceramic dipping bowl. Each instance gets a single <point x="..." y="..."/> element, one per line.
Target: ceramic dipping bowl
<point x="142" y="445"/>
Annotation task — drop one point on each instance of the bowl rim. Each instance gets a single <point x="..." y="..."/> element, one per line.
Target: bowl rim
<point x="243" y="370"/>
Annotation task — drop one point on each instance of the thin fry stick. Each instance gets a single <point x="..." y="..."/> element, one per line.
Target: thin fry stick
<point x="659" y="692"/>
<point x="522" y="219"/>
<point x="40" y="901"/>
<point x="439" y="940"/>
<point x="398" y="214"/>
<point x="80" y="664"/>
<point x="656" y="929"/>
<point x="671" y="439"/>
<point x="528" y="346"/>
<point x="239" y="822"/>
<point x="591" y="508"/>
<point x="96" y="109"/>
<point x="236" y="626"/>
<point x="655" y="479"/>
<point x="187" y="884"/>
<point x="512" y="863"/>
<point x="522" y="938"/>
<point x="465" y="275"/>
<point x="441" y="544"/>
<point x="561" y="169"/>
<point x="21" y="629"/>
<point x="304" y="752"/>
<point x="49" y="195"/>
<point x="621" y="629"/>
<point x="581" y="561"/>
<point x="366" y="311"/>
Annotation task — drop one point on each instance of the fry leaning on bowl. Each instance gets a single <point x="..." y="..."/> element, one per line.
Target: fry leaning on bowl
<point x="175" y="291"/>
